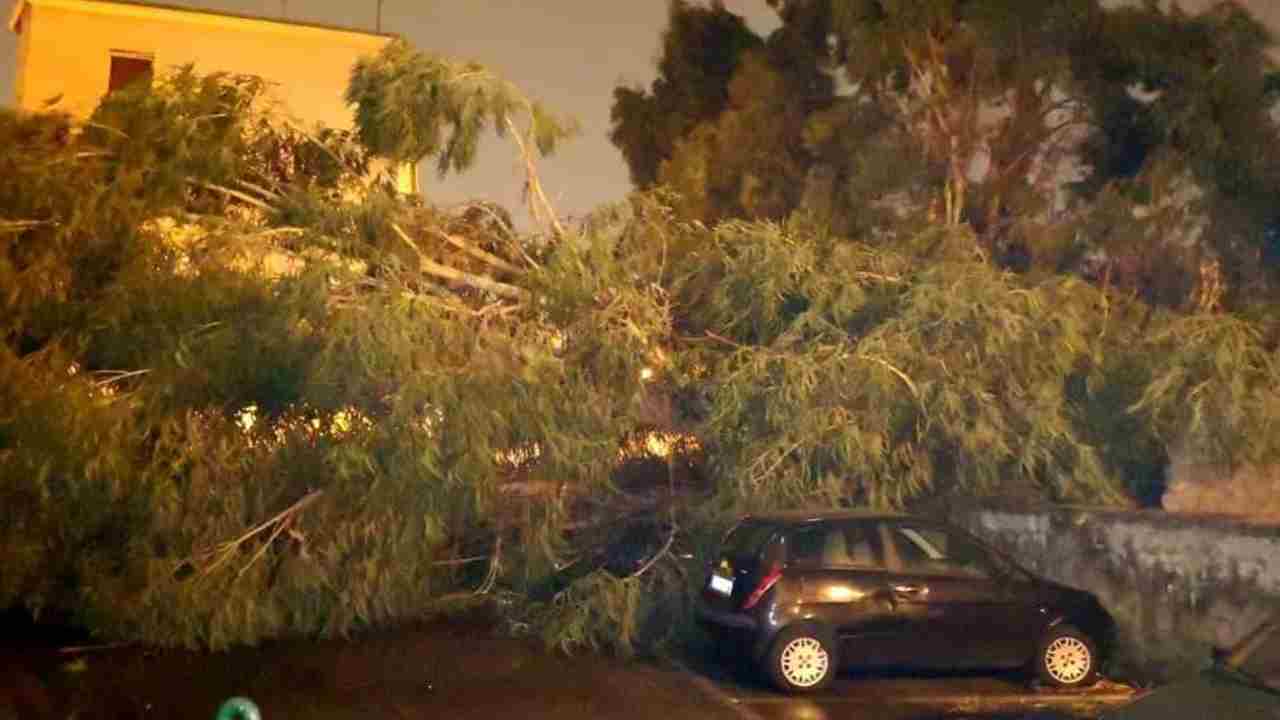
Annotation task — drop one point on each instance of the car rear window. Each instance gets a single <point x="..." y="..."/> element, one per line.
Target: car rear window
<point x="748" y="540"/>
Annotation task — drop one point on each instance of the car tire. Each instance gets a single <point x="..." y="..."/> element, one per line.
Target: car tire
<point x="1066" y="658"/>
<point x="801" y="660"/>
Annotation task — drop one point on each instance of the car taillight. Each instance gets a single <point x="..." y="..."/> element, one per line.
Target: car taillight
<point x="770" y="579"/>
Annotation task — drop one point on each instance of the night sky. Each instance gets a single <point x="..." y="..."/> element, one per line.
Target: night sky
<point x="569" y="53"/>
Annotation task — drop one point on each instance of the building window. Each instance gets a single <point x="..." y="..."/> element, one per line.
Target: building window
<point x="128" y="68"/>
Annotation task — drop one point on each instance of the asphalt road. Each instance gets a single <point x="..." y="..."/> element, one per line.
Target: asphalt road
<point x="904" y="696"/>
<point x="467" y="672"/>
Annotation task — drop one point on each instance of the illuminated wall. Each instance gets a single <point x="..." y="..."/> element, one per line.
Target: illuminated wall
<point x="66" y="46"/>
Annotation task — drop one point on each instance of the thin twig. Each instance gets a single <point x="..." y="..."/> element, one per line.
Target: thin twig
<point x="666" y="548"/>
<point x="507" y="230"/>
<point x="432" y="267"/>
<point x="259" y="189"/>
<point x="108" y="128"/>
<point x="223" y="551"/>
<point x="21" y="225"/>
<point x="757" y="477"/>
<point x="892" y="279"/>
<point x="476" y="252"/>
<point x="117" y="376"/>
<point x="543" y="206"/>
<point x="272" y="232"/>
<point x="310" y="136"/>
<point x="901" y="375"/>
<point x="495" y="562"/>
<point x="448" y="306"/>
<point x="486" y="209"/>
<point x="243" y="197"/>
<point x="722" y="339"/>
<point x="462" y="561"/>
<point x="80" y="649"/>
<point x="266" y="545"/>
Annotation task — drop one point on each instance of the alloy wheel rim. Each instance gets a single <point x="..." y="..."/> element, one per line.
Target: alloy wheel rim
<point x="1068" y="660"/>
<point x="804" y="662"/>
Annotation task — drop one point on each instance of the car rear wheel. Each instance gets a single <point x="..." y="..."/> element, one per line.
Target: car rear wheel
<point x="801" y="660"/>
<point x="1067" y="658"/>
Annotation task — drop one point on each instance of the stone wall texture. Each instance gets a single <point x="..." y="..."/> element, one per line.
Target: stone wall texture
<point x="1178" y="585"/>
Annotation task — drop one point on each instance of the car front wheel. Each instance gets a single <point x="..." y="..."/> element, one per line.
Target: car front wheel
<point x="801" y="660"/>
<point x="1067" y="658"/>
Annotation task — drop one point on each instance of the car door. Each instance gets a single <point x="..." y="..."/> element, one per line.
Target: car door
<point x="844" y="585"/>
<point x="951" y="593"/>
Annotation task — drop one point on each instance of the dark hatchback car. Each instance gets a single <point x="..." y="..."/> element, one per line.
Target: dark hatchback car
<point x="802" y="594"/>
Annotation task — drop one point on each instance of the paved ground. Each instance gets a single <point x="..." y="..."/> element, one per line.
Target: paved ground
<point x="462" y="671"/>
<point x="902" y="696"/>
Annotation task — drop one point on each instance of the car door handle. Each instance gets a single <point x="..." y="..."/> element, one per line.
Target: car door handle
<point x="910" y="589"/>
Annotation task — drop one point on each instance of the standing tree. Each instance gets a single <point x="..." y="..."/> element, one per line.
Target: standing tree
<point x="1025" y="121"/>
<point x="701" y="49"/>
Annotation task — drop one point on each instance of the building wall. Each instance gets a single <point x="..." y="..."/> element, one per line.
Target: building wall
<point x="71" y="54"/>
<point x="1178" y="585"/>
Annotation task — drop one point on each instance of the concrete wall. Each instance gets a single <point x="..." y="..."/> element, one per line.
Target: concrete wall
<point x="66" y="48"/>
<point x="1178" y="585"/>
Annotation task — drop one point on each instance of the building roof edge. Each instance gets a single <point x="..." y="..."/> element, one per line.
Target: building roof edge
<point x="164" y="8"/>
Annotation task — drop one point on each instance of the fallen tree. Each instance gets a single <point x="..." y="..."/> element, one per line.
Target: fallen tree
<point x="248" y="391"/>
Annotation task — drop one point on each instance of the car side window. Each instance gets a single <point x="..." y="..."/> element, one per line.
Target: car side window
<point x="932" y="551"/>
<point x="834" y="545"/>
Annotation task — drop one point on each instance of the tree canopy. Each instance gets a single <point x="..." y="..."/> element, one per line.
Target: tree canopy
<point x="1045" y="127"/>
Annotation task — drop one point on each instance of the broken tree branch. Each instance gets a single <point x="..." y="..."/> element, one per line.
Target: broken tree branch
<point x="228" y="192"/>
<point x="478" y="253"/>
<point x="431" y="267"/>
<point x="223" y="552"/>
<point x="666" y="548"/>
<point x="538" y="202"/>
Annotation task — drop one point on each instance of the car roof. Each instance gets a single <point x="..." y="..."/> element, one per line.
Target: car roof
<point x="796" y="517"/>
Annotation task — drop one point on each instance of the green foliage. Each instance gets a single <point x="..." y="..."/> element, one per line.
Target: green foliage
<point x="1214" y="126"/>
<point x="246" y="391"/>
<point x="1213" y="387"/>
<point x="746" y="161"/>
<point x="597" y="613"/>
<point x="410" y="105"/>
<point x="860" y="376"/>
<point x="1046" y="127"/>
<point x="143" y="324"/>
<point x="701" y="51"/>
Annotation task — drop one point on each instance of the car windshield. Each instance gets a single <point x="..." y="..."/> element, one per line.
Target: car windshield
<point x="1259" y="657"/>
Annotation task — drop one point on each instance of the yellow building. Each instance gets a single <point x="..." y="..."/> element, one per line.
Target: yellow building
<point x="79" y="50"/>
